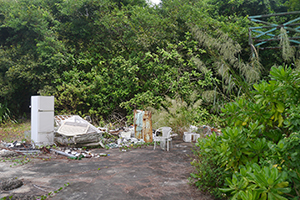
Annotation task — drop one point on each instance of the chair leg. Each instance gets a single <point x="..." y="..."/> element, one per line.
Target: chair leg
<point x="168" y="145"/>
<point x="154" y="145"/>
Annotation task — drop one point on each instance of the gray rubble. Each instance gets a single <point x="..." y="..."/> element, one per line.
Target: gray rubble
<point x="10" y="184"/>
<point x="6" y="153"/>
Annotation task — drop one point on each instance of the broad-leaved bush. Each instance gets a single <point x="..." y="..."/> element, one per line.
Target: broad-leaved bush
<point x="258" y="153"/>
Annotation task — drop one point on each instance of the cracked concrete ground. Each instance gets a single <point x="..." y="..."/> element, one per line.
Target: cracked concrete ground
<point x="141" y="173"/>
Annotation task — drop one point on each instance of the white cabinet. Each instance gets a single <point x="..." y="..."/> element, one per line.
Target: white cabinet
<point x="42" y="120"/>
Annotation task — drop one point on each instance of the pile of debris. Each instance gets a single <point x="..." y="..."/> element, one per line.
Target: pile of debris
<point x="73" y="135"/>
<point x="77" y="153"/>
<point x="74" y="153"/>
<point x="75" y="131"/>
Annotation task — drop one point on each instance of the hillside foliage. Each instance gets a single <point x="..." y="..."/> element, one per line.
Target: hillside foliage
<point x="105" y="58"/>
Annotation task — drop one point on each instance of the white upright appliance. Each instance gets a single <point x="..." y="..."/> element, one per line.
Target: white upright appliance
<point x="42" y="120"/>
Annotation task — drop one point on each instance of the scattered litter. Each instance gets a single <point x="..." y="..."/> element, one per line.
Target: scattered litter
<point x="72" y="132"/>
<point x="78" y="153"/>
<point x="116" y="132"/>
<point x="44" y="150"/>
<point x="195" y="132"/>
<point x="207" y="131"/>
<point x="122" y="142"/>
<point x="180" y="146"/>
<point x="190" y="137"/>
<point x="63" y="153"/>
<point x="125" y="134"/>
<point x="28" y="152"/>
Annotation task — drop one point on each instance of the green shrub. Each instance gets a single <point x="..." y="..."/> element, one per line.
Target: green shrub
<point x="260" y="142"/>
<point x="208" y="175"/>
<point x="285" y="154"/>
<point x="254" y="182"/>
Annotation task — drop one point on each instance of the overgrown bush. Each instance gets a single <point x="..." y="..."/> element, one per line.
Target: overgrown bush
<point x="218" y="158"/>
<point x="258" y="153"/>
<point x="209" y="175"/>
<point x="253" y="182"/>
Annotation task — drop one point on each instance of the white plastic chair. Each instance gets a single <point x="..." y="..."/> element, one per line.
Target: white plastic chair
<point x="165" y="138"/>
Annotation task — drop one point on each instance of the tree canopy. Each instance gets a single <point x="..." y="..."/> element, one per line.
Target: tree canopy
<point x="105" y="57"/>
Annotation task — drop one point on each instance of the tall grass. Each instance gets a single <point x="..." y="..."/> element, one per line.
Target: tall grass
<point x="179" y="115"/>
<point x="5" y="114"/>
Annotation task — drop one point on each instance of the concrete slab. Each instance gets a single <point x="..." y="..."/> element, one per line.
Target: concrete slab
<point x="141" y="173"/>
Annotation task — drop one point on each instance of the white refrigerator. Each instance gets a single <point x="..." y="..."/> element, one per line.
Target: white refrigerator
<point x="42" y="120"/>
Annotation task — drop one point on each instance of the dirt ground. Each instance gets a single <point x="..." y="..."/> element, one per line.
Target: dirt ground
<point x="141" y="173"/>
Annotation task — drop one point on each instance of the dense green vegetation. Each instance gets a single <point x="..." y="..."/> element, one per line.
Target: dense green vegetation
<point x="189" y="61"/>
<point x="257" y="157"/>
<point x="105" y="58"/>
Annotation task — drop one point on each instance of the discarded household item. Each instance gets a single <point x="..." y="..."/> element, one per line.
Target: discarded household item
<point x="103" y="129"/>
<point x="60" y="118"/>
<point x="127" y="133"/>
<point x="193" y="129"/>
<point x="76" y="130"/>
<point x="92" y="139"/>
<point x="116" y="132"/>
<point x="207" y="130"/>
<point x="75" y="126"/>
<point x="122" y="142"/>
<point x="77" y="153"/>
<point x="42" y="122"/>
<point x="190" y="137"/>
<point x="217" y="131"/>
<point x="143" y="125"/>
<point x="194" y="133"/>
<point x="165" y="138"/>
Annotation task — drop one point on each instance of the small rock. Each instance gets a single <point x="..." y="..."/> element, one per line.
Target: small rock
<point x="10" y="184"/>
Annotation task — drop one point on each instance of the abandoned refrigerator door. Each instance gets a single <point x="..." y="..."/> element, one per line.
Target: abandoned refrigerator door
<point x="42" y="119"/>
